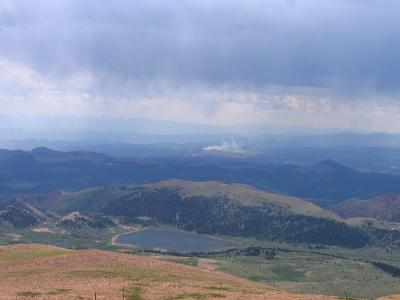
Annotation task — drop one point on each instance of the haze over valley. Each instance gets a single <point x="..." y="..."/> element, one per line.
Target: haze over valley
<point x="168" y="149"/>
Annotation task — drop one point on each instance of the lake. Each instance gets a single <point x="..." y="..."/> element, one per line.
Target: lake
<point x="173" y="240"/>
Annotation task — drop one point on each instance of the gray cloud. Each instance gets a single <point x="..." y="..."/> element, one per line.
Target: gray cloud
<point x="347" y="46"/>
<point x="331" y="63"/>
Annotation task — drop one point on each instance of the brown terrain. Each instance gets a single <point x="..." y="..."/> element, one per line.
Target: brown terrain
<point x="385" y="208"/>
<point x="47" y="272"/>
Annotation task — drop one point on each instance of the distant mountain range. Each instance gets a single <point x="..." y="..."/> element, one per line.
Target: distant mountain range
<point x="210" y="207"/>
<point x="44" y="170"/>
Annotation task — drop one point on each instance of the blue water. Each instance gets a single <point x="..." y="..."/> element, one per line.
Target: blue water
<point x="174" y="240"/>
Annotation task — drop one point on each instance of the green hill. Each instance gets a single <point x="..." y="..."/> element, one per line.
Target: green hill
<point x="20" y="214"/>
<point x="213" y="208"/>
<point x="246" y="196"/>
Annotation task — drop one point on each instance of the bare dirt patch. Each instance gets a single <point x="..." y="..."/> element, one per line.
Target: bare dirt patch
<point x="15" y="237"/>
<point x="208" y="264"/>
<point x="43" y="229"/>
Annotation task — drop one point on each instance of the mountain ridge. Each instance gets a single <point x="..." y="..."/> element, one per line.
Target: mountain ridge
<point x="326" y="181"/>
<point x="213" y="208"/>
<point x="244" y="194"/>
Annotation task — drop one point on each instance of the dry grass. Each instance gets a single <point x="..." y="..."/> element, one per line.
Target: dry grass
<point x="246" y="195"/>
<point x="45" y="272"/>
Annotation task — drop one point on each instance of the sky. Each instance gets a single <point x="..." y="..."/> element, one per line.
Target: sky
<point x="289" y="63"/>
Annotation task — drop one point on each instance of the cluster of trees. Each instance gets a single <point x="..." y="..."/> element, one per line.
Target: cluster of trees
<point x="392" y="270"/>
<point x="19" y="218"/>
<point x="267" y="253"/>
<point x="378" y="236"/>
<point x="18" y="214"/>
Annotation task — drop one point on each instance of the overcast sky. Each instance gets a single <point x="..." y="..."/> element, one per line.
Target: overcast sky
<point x="316" y="63"/>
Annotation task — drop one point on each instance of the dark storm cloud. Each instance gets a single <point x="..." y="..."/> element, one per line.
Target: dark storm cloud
<point x="346" y="45"/>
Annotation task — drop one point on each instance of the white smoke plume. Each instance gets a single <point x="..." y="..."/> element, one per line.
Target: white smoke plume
<point x="226" y="146"/>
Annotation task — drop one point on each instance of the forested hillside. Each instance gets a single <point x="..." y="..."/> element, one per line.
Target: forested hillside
<point x="214" y="208"/>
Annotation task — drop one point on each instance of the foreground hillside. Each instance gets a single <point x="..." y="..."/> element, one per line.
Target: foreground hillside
<point x="45" y="272"/>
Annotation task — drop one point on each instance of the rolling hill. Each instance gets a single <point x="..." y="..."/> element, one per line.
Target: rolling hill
<point x="244" y="195"/>
<point x="211" y="208"/>
<point x="20" y="214"/>
<point x="384" y="208"/>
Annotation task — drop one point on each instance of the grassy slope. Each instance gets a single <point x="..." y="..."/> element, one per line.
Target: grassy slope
<point x="45" y="272"/>
<point x="359" y="221"/>
<point x="305" y="272"/>
<point x="386" y="208"/>
<point x="245" y="195"/>
<point x="248" y="196"/>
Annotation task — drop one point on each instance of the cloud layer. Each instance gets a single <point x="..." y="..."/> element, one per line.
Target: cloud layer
<point x="224" y="61"/>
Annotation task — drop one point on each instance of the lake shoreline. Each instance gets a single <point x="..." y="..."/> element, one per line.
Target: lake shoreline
<point x="174" y="240"/>
<point x="114" y="239"/>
